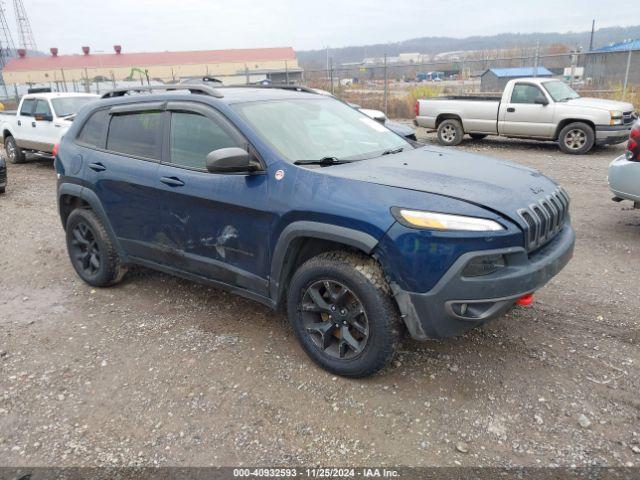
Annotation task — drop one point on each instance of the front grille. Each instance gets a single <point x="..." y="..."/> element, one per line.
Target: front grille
<point x="629" y="117"/>
<point x="545" y="218"/>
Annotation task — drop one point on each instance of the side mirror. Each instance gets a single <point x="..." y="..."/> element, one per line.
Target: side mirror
<point x="231" y="160"/>
<point x="44" y="117"/>
<point x="540" y="100"/>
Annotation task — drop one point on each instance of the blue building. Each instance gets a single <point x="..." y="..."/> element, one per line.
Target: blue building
<point x="607" y="66"/>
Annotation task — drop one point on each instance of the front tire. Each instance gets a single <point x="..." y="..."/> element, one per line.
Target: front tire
<point x="577" y="138"/>
<point x="450" y="132"/>
<point x="13" y="151"/>
<point x="341" y="311"/>
<point x="91" y="250"/>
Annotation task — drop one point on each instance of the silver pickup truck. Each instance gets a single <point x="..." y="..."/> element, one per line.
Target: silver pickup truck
<point x="534" y="108"/>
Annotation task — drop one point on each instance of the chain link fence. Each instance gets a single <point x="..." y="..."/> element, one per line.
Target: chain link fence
<point x="394" y="87"/>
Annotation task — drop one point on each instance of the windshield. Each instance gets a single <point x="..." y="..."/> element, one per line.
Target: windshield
<point x="69" y="105"/>
<point x="560" y="91"/>
<point x="312" y="129"/>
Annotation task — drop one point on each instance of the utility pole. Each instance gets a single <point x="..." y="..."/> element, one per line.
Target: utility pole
<point x="626" y="75"/>
<point x="593" y="28"/>
<point x="331" y="75"/>
<point x="536" y="59"/>
<point x="386" y="86"/>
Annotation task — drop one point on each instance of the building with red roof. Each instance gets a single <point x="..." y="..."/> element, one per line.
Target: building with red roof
<point x="231" y="66"/>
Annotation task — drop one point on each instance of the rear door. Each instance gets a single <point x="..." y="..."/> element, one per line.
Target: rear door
<point x="216" y="225"/>
<point x="25" y="134"/>
<point x="121" y="155"/>
<point x="522" y="116"/>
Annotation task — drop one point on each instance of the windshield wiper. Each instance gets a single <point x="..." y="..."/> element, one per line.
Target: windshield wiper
<point x="324" y="161"/>
<point x="392" y="151"/>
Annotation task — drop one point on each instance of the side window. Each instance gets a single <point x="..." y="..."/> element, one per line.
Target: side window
<point x="27" y="107"/>
<point x="42" y="108"/>
<point x="137" y="134"/>
<point x="525" y="93"/>
<point x="94" y="129"/>
<point x="193" y="136"/>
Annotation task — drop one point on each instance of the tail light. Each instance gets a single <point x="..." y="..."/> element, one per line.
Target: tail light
<point x="55" y="150"/>
<point x="633" y="147"/>
<point x="416" y="108"/>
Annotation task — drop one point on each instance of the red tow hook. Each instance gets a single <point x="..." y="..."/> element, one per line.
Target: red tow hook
<point x="525" y="300"/>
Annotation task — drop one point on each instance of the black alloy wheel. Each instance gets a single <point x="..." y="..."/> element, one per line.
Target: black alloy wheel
<point x="84" y="250"/>
<point x="335" y="319"/>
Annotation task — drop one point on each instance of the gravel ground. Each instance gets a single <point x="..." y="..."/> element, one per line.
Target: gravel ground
<point x="161" y="371"/>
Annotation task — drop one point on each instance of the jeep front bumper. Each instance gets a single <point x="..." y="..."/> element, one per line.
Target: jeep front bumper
<point x="458" y="303"/>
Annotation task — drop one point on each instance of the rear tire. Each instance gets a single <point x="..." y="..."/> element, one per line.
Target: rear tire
<point x="577" y="138"/>
<point x="91" y="251"/>
<point x="14" y="153"/>
<point x="450" y="132"/>
<point x="477" y="136"/>
<point x="341" y="311"/>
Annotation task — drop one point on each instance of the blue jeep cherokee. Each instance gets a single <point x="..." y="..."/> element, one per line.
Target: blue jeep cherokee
<point x="297" y="200"/>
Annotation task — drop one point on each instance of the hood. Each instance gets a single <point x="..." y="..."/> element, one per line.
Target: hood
<point x="600" y="103"/>
<point x="498" y="185"/>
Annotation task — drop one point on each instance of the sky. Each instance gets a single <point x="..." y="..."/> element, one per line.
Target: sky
<point x="159" y="25"/>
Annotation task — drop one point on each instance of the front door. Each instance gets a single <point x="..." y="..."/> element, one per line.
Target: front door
<point x="45" y="133"/>
<point x="523" y="116"/>
<point x="216" y="224"/>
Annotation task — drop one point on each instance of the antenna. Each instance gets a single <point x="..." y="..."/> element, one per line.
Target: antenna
<point x="7" y="47"/>
<point x="24" y="27"/>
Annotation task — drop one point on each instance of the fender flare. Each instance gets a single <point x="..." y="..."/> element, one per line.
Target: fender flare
<point x="92" y="199"/>
<point x="317" y="230"/>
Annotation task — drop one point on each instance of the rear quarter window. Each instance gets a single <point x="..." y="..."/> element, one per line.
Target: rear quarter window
<point x="94" y="130"/>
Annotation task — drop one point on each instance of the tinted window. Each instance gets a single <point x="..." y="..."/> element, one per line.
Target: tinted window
<point x="94" y="129"/>
<point x="523" y="93"/>
<point x="27" y="106"/>
<point x="193" y="137"/>
<point x="138" y="134"/>
<point x="42" y="108"/>
<point x="69" y="105"/>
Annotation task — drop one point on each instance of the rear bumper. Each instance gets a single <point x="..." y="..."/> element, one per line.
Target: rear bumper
<point x="611" y="135"/>
<point x="458" y="303"/>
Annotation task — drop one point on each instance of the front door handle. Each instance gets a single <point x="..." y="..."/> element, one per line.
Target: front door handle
<point x="172" y="181"/>
<point x="19" y="123"/>
<point x="97" y="167"/>
<point x="511" y="109"/>
<point x="33" y="124"/>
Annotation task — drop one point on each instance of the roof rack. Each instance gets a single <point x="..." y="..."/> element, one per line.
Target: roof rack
<point x="297" y="88"/>
<point x="202" y="89"/>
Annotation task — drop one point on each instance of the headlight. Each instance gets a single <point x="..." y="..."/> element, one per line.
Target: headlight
<point x="616" y="117"/>
<point x="444" y="221"/>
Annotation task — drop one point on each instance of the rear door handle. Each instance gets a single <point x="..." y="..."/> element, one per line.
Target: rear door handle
<point x="511" y="109"/>
<point x="172" y="181"/>
<point x="33" y="124"/>
<point x="19" y="123"/>
<point x="97" y="167"/>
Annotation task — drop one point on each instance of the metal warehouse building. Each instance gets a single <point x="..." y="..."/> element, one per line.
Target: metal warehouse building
<point x="608" y="65"/>
<point x="231" y="66"/>
<point x="495" y="79"/>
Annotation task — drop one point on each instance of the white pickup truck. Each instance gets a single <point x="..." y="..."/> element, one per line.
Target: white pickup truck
<point x="39" y="122"/>
<point x="534" y="108"/>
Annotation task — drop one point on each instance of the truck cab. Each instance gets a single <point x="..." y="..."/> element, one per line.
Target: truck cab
<point x="40" y="122"/>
